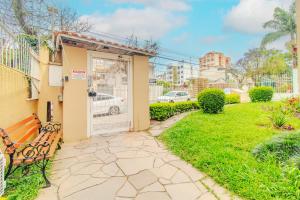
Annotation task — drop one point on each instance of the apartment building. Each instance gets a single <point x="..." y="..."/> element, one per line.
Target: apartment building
<point x="213" y="66"/>
<point x="180" y="73"/>
<point x="214" y="59"/>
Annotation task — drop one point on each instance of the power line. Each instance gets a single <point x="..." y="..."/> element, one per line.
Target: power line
<point x="126" y="40"/>
<point x="180" y="61"/>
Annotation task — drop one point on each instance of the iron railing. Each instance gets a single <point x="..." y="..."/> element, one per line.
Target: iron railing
<point x="18" y="57"/>
<point x="16" y="52"/>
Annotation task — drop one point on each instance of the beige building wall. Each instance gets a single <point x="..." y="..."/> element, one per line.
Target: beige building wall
<point x="14" y="103"/>
<point x="140" y="82"/>
<point x="75" y="108"/>
<point x="74" y="95"/>
<point x="48" y="93"/>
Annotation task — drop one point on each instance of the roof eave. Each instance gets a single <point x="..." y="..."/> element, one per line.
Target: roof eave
<point x="134" y="50"/>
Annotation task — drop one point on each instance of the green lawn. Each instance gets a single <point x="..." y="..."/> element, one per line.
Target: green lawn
<point x="220" y="145"/>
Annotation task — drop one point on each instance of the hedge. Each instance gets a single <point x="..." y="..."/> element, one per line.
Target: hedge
<point x="163" y="111"/>
<point x="261" y="93"/>
<point x="232" y="98"/>
<point x="211" y="100"/>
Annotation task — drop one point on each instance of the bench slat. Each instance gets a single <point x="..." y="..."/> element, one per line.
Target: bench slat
<point x="18" y="134"/>
<point x="20" y="123"/>
<point x="54" y="144"/>
<point x="29" y="133"/>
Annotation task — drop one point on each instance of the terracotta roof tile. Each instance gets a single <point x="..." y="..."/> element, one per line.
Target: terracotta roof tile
<point x="93" y="39"/>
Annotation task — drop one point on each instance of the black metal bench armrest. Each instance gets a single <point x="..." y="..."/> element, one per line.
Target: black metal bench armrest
<point x="51" y="127"/>
<point x="33" y="151"/>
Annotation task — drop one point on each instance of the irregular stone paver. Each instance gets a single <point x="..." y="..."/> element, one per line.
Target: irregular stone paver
<point x="135" y="165"/>
<point x="127" y="191"/>
<point x="191" y="192"/>
<point x="126" y="167"/>
<point x="153" y="196"/>
<point x="142" y="179"/>
<point x="155" y="187"/>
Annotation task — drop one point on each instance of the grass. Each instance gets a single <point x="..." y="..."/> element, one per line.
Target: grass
<point x="27" y="187"/>
<point x="221" y="145"/>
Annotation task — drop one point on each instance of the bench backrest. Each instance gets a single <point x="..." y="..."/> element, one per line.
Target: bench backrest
<point x="20" y="132"/>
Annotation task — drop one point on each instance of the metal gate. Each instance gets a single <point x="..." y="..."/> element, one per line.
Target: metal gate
<point x="110" y="107"/>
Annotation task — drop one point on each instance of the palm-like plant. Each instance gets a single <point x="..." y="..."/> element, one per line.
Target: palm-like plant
<point x="283" y="24"/>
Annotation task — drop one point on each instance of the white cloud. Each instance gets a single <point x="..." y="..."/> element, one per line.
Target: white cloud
<point x="212" y="39"/>
<point x="148" y="22"/>
<point x="171" y="5"/>
<point x="250" y="15"/>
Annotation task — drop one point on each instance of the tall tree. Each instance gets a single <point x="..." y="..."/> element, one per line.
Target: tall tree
<point x="282" y="24"/>
<point x="259" y="62"/>
<point x="34" y="17"/>
<point x="20" y="14"/>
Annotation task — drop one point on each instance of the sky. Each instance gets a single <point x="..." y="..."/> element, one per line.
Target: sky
<point x="189" y="27"/>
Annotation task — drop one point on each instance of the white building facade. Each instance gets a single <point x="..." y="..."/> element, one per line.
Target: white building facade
<point x="180" y="73"/>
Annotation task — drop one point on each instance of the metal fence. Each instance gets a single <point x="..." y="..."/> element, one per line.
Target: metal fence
<point x="17" y="55"/>
<point x="185" y="77"/>
<point x="282" y="83"/>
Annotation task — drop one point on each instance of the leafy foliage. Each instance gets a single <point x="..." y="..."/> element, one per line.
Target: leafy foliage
<point x="282" y="147"/>
<point x="283" y="23"/>
<point x="163" y="111"/>
<point x="25" y="187"/>
<point x="261" y="93"/>
<point x="232" y="98"/>
<point x="278" y="118"/>
<point x="293" y="105"/>
<point x="211" y="100"/>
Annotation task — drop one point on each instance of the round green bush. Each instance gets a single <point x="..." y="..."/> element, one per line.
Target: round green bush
<point x="211" y="100"/>
<point x="261" y="94"/>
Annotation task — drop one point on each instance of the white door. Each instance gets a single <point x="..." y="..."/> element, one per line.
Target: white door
<point x="110" y="108"/>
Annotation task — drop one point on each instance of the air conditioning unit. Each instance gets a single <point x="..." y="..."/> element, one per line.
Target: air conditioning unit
<point x="2" y="173"/>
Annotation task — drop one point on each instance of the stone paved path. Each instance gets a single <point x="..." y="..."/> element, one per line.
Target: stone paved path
<point x="123" y="167"/>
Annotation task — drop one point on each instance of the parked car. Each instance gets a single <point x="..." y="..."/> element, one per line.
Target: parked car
<point x="107" y="104"/>
<point x="174" y="96"/>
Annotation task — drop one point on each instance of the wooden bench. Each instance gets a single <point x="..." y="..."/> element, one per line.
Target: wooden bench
<point x="22" y="153"/>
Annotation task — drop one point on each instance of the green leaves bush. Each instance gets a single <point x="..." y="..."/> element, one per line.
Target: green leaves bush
<point x="261" y="94"/>
<point x="278" y="118"/>
<point x="232" y="99"/>
<point x="282" y="147"/>
<point x="163" y="111"/>
<point x="211" y="100"/>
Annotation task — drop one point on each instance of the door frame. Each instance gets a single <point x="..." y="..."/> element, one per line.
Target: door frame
<point x="95" y="54"/>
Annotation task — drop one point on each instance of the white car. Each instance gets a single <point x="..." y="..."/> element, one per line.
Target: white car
<point x="174" y="96"/>
<point x="107" y="104"/>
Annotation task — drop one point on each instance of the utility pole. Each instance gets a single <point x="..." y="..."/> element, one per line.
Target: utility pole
<point x="52" y="11"/>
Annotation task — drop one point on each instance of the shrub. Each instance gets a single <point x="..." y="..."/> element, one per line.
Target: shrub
<point x="279" y="116"/>
<point x="293" y="105"/>
<point x="181" y="107"/>
<point x="211" y="100"/>
<point x="278" y="119"/>
<point x="232" y="98"/>
<point x="163" y="111"/>
<point x="282" y="147"/>
<point x="262" y="93"/>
